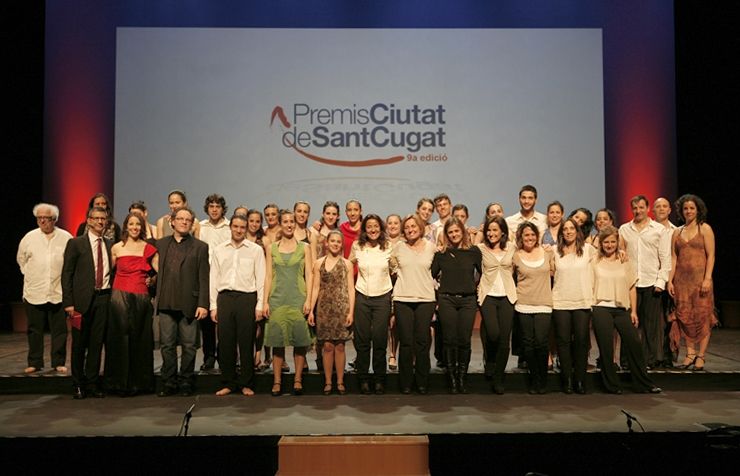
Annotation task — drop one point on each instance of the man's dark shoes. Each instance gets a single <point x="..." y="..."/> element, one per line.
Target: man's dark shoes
<point x="167" y="392"/>
<point x="78" y="393"/>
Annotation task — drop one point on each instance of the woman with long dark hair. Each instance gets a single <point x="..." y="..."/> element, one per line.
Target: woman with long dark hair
<point x="690" y="282"/>
<point x="129" y="347"/>
<point x="371" y="254"/>
<point x="572" y="296"/>
<point x="497" y="296"/>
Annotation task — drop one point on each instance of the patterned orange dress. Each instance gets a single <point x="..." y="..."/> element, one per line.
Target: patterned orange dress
<point x="694" y="314"/>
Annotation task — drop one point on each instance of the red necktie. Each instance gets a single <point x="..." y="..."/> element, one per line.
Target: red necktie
<point x="99" y="270"/>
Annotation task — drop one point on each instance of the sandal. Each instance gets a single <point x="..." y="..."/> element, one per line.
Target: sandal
<point x="327" y="389"/>
<point x="392" y="364"/>
<point x="297" y="388"/>
<point x="341" y="389"/>
<point x="696" y="366"/>
<point x="688" y="362"/>
<point x="277" y="389"/>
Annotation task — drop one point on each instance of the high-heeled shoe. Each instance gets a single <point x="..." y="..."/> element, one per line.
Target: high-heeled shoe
<point x="277" y="389"/>
<point x="327" y="389"/>
<point x="688" y="362"/>
<point x="298" y="388"/>
<point x="341" y="389"/>
<point x="697" y="368"/>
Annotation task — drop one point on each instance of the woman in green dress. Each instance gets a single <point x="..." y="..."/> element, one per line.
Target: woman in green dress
<point x="287" y="281"/>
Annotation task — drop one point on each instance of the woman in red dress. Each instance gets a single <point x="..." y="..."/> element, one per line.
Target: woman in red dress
<point x="129" y="347"/>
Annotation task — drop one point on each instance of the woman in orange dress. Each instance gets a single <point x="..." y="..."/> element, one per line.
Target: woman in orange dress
<point x="690" y="282"/>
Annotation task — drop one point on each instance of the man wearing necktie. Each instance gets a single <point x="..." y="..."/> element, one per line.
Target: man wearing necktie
<point x="86" y="289"/>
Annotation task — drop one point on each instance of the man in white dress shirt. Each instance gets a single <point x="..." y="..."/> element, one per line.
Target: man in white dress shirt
<point x="40" y="257"/>
<point x="644" y="241"/>
<point x="237" y="284"/>
<point x="662" y="213"/>
<point x="214" y="231"/>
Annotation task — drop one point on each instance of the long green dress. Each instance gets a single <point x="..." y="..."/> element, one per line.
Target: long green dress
<point x="287" y="326"/>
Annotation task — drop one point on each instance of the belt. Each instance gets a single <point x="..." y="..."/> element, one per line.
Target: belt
<point x="101" y="292"/>
<point x="457" y="295"/>
<point x="231" y="291"/>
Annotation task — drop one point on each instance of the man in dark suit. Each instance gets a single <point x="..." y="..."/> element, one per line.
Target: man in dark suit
<point x="86" y="289"/>
<point x="182" y="300"/>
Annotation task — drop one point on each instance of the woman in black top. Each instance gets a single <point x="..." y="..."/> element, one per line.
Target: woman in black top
<point x="454" y="267"/>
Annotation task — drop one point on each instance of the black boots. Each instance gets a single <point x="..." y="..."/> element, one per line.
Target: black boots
<point x="463" y="360"/>
<point x="452" y="370"/>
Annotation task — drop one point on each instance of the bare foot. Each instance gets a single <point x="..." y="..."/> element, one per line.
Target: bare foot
<point x="247" y="392"/>
<point x="224" y="391"/>
<point x="29" y="370"/>
<point x="61" y="369"/>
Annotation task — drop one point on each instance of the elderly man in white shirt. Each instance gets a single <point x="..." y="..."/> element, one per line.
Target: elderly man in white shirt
<point x="40" y="257"/>
<point x="214" y="230"/>
<point x="237" y="284"/>
<point x="644" y="241"/>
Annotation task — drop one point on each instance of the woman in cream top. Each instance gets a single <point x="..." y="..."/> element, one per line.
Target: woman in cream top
<point x="615" y="300"/>
<point x="496" y="296"/>
<point x="572" y="296"/>
<point x="413" y="297"/>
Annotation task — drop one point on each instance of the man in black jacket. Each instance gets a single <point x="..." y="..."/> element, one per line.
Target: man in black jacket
<point x="182" y="299"/>
<point x="86" y="289"/>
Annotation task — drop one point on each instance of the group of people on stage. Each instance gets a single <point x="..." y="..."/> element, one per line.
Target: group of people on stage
<point x="249" y="291"/>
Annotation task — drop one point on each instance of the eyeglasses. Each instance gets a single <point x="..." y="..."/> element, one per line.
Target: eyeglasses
<point x="98" y="218"/>
<point x="45" y="218"/>
<point x="183" y="219"/>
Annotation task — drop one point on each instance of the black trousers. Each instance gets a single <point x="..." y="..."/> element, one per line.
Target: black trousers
<point x="372" y="315"/>
<point x="651" y="325"/>
<point x="208" y="338"/>
<point x="498" y="318"/>
<point x="535" y="333"/>
<point x="236" y="331"/>
<point x="129" y="343"/>
<point x="605" y="320"/>
<point x="457" y="316"/>
<point x="37" y="315"/>
<point x="572" y="335"/>
<point x="87" y="342"/>
<point x="413" y="320"/>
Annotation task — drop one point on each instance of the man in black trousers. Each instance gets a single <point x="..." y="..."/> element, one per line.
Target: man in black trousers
<point x="237" y="296"/>
<point x="86" y="289"/>
<point x="182" y="300"/>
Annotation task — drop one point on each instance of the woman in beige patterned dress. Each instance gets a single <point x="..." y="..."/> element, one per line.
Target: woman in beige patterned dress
<point x="333" y="298"/>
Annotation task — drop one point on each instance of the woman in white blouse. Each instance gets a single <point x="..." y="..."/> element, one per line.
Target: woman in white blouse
<point x="371" y="254"/>
<point x="615" y="303"/>
<point x="496" y="296"/>
<point x="572" y="296"/>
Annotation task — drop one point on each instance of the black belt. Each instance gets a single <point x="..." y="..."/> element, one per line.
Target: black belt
<point x="457" y="295"/>
<point x="231" y="291"/>
<point x="101" y="292"/>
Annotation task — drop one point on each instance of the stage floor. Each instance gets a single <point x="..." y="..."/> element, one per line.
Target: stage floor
<point x="45" y="415"/>
<point x="680" y="407"/>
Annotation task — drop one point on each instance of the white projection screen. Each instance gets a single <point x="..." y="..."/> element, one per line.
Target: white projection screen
<point x="386" y="116"/>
